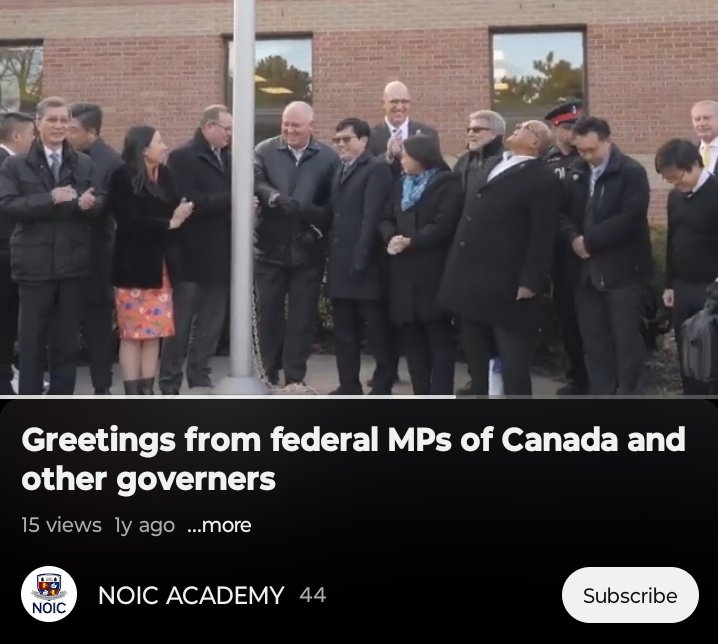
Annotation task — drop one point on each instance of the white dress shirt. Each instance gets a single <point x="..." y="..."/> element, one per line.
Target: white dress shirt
<point x="298" y="153"/>
<point x="701" y="180"/>
<point x="507" y="162"/>
<point x="49" y="153"/>
<point x="7" y="149"/>
<point x="713" y="145"/>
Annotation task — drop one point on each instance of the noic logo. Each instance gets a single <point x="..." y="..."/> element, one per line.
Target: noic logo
<point x="48" y="594"/>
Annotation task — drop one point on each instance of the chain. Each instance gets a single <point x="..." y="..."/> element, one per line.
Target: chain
<point x="256" y="352"/>
<point x="257" y="358"/>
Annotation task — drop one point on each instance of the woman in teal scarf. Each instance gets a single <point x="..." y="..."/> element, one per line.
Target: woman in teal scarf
<point x="418" y="231"/>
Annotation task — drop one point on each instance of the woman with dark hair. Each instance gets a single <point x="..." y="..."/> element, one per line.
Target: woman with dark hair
<point x="144" y="200"/>
<point x="419" y="228"/>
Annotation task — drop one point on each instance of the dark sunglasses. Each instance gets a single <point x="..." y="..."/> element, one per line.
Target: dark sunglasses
<point x="476" y="130"/>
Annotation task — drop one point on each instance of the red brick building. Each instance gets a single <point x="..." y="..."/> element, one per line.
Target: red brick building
<point x="640" y="64"/>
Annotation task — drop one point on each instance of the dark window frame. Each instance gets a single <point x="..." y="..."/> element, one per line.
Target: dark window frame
<point x="540" y="29"/>
<point x="25" y="42"/>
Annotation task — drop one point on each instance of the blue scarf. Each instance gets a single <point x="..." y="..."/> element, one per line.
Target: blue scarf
<point x="413" y="187"/>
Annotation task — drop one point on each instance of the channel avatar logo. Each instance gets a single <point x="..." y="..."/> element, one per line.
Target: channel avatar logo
<point x="48" y="594"/>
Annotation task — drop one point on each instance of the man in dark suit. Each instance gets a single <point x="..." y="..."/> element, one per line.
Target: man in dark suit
<point x="500" y="260"/>
<point x="705" y="123"/>
<point x="559" y="157"/>
<point x="386" y="142"/>
<point x="99" y="303"/>
<point x="386" y="138"/>
<point x="49" y="194"/>
<point x="17" y="133"/>
<point x="605" y="223"/>
<point x="203" y="169"/>
<point x="356" y="276"/>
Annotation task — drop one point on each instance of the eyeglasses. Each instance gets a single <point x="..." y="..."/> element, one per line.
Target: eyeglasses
<point x="673" y="180"/>
<point x="343" y="139"/>
<point x="226" y="128"/>
<point x="526" y="126"/>
<point x="477" y="130"/>
<point x="399" y="101"/>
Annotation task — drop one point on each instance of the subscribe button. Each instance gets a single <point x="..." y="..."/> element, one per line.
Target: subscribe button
<point x="630" y="595"/>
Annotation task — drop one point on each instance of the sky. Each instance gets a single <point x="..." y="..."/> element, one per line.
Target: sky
<point x="298" y="52"/>
<point x="520" y="50"/>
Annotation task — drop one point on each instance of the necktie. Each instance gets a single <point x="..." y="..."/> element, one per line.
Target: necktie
<point x="595" y="174"/>
<point x="345" y="169"/>
<point x="706" y="156"/>
<point x="397" y="134"/>
<point x="218" y="154"/>
<point x="55" y="166"/>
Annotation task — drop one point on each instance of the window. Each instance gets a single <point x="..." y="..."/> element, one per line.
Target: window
<point x="283" y="73"/>
<point x="536" y="71"/>
<point x="20" y="76"/>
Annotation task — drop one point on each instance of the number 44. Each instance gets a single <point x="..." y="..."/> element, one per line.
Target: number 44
<point x="307" y="594"/>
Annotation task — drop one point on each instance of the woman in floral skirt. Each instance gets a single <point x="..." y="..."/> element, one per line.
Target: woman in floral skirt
<point x="147" y="207"/>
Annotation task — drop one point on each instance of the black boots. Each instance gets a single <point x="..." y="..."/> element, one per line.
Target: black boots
<point x="142" y="387"/>
<point x="132" y="387"/>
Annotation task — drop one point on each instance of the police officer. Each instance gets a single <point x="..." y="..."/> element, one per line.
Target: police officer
<point x="559" y="157"/>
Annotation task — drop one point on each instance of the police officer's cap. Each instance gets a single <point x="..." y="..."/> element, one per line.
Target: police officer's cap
<point x="568" y="112"/>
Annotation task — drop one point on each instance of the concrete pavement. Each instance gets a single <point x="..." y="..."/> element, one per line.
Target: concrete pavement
<point x="321" y="376"/>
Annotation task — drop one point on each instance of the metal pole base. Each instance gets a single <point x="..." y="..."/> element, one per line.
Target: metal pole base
<point x="240" y="386"/>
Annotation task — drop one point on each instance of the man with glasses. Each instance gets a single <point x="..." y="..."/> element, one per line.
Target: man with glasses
<point x="500" y="260"/>
<point x="387" y="137"/>
<point x="605" y="223"/>
<point x="203" y="169"/>
<point x="356" y="274"/>
<point x="50" y="195"/>
<point x="485" y="139"/>
<point x="559" y="157"/>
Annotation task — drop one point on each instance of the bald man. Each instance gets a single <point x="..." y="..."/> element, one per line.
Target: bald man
<point x="500" y="260"/>
<point x="293" y="175"/>
<point x="386" y="138"/>
<point x="705" y="123"/>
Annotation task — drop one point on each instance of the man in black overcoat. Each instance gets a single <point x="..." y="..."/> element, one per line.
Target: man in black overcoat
<point x="605" y="223"/>
<point x="50" y="195"/>
<point x="203" y="171"/>
<point x="17" y="133"/>
<point x="500" y="260"/>
<point x="356" y="274"/>
<point x="99" y="302"/>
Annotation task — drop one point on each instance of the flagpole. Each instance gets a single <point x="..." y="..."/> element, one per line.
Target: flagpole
<point x="242" y="378"/>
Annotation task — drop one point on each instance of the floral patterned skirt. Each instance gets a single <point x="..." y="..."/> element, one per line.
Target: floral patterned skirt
<point x="145" y="313"/>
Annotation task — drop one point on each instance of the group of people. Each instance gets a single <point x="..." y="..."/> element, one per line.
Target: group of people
<point x="413" y="254"/>
<point x="91" y="238"/>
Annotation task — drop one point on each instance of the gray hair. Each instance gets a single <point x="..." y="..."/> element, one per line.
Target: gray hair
<point x="494" y="119"/>
<point x="48" y="103"/>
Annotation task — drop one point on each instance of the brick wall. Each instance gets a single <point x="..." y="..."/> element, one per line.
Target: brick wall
<point x="161" y="61"/>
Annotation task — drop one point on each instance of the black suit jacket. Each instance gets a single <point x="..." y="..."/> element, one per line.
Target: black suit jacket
<point x="144" y="241"/>
<point x="615" y="230"/>
<point x="430" y="224"/>
<point x="357" y="262"/>
<point x="105" y="160"/>
<point x="49" y="241"/>
<point x="381" y="133"/>
<point x="504" y="240"/>
<point x="6" y="224"/>
<point x="205" y="238"/>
